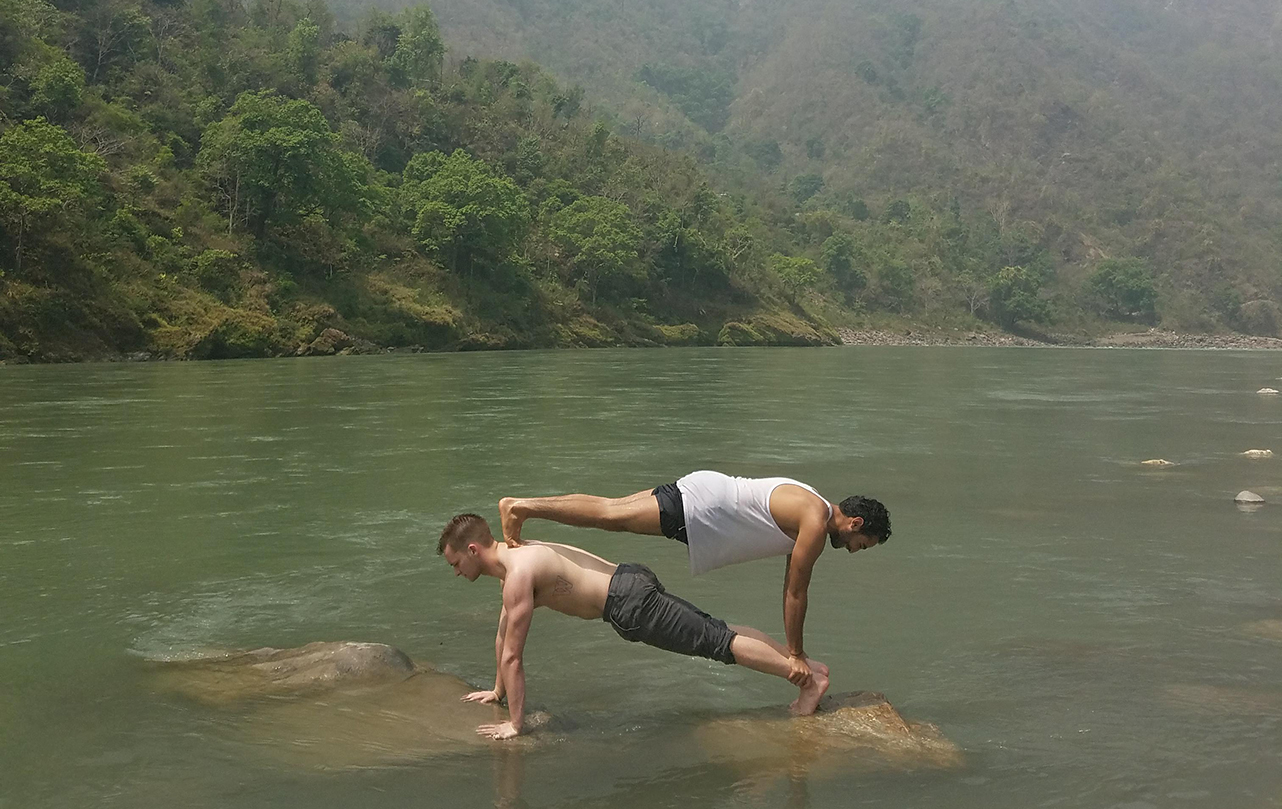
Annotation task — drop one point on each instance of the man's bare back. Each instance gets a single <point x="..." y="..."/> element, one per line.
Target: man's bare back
<point x="566" y="579"/>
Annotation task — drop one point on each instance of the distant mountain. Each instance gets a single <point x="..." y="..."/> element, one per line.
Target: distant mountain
<point x="1096" y="129"/>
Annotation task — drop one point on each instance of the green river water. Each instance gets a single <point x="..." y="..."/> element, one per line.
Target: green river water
<point x="1088" y="631"/>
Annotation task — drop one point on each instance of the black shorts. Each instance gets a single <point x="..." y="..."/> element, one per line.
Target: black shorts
<point x="640" y="610"/>
<point x="672" y="512"/>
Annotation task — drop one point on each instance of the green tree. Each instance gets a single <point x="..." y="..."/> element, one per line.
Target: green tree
<point x="22" y="21"/>
<point x="598" y="239"/>
<point x="805" y="186"/>
<point x="767" y="153"/>
<point x="462" y="209"/>
<point x="568" y="102"/>
<point x="419" y="53"/>
<point x="54" y="84"/>
<point x="43" y="177"/>
<point x="853" y="206"/>
<point x="703" y="94"/>
<point x="896" y="286"/>
<point x="114" y="32"/>
<point x="798" y="274"/>
<point x="278" y="159"/>
<point x="1123" y="288"/>
<point x="1013" y="297"/>
<point x="303" y="52"/>
<point x="838" y="255"/>
<point x="900" y="210"/>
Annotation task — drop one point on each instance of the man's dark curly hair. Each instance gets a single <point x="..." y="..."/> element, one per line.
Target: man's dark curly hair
<point x="876" y="517"/>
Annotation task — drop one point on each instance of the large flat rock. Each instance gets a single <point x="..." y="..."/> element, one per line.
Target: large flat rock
<point x="339" y="705"/>
<point x="862" y="723"/>
<point x="383" y="725"/>
<point x="221" y="678"/>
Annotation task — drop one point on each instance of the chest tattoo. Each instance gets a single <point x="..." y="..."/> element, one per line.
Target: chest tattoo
<point x="562" y="586"/>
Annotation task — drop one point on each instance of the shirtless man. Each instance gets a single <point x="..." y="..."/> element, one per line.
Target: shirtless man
<point x="724" y="520"/>
<point x="628" y="597"/>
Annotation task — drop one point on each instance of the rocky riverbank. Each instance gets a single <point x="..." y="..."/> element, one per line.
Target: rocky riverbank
<point x="915" y="337"/>
<point x="333" y="341"/>
<point x="1153" y="338"/>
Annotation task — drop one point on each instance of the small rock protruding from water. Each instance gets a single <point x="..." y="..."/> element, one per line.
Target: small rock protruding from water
<point x="1268" y="391"/>
<point x="1258" y="453"/>
<point x="1157" y="462"/>
<point x="1246" y="498"/>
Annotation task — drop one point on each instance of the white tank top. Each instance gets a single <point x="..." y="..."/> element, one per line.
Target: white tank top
<point x="728" y="519"/>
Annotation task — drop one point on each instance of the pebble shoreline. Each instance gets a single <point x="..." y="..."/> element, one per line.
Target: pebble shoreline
<point x="1152" y="338"/>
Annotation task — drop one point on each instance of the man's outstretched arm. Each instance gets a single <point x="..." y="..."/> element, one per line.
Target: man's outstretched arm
<point x="518" y="604"/>
<point x="497" y="694"/>
<point x="796" y="593"/>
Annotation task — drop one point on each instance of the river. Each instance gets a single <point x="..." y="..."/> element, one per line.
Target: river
<point x="1086" y="629"/>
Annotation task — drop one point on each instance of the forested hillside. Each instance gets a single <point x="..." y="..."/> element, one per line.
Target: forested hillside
<point x="212" y="178"/>
<point x="1134" y="143"/>
<point x="203" y="180"/>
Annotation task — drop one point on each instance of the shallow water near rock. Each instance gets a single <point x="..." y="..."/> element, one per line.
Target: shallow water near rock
<point x="1088" y="631"/>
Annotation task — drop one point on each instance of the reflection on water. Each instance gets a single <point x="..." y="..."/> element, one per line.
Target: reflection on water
<point x="1089" y="631"/>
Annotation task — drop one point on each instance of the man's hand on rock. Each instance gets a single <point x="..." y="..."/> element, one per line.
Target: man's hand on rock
<point x="503" y="730"/>
<point x="485" y="697"/>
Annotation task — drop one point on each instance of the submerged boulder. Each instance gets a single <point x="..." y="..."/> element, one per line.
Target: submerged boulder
<point x="1258" y="453"/>
<point x="418" y="718"/>
<point x="235" y="676"/>
<point x="1270" y="628"/>
<point x="860" y="722"/>
<point x="1248" y="498"/>
<point x="1158" y="462"/>
<point x="1221" y="699"/>
<point x="1268" y="391"/>
<point x="338" y="705"/>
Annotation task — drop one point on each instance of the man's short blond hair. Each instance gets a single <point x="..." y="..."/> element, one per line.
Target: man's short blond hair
<point x="463" y="530"/>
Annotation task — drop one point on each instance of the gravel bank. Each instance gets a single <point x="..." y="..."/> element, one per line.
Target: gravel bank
<point x="1153" y="338"/>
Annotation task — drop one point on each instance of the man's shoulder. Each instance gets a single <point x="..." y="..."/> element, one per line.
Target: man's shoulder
<point x="525" y="563"/>
<point x="802" y="500"/>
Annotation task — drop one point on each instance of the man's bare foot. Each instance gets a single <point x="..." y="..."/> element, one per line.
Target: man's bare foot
<point x="510" y="522"/>
<point x="808" y="701"/>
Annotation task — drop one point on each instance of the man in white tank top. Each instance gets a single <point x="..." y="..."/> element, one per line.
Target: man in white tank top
<point x="724" y="520"/>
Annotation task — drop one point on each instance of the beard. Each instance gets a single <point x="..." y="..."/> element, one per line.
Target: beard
<point x="835" y="541"/>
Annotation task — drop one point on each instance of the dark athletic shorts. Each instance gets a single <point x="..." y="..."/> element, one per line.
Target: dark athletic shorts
<point x="640" y="609"/>
<point x="672" y="512"/>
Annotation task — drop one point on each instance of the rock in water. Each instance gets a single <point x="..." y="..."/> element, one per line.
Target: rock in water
<point x="859" y="722"/>
<point x="341" y="705"/>
<point x="1219" y="699"/>
<point x="383" y="725"/>
<point x="1258" y="453"/>
<point x="1157" y="462"/>
<point x="1267" y="391"/>
<point x="1248" y="498"/>
<point x="235" y="676"/>
<point x="1270" y="628"/>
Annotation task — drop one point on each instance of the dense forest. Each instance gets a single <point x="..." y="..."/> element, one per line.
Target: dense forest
<point x="206" y="180"/>
<point x="210" y="178"/>
<point x="1141" y="131"/>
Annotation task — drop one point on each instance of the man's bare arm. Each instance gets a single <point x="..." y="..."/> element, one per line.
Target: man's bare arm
<point x="495" y="695"/>
<point x="800" y="565"/>
<point x="499" y="691"/>
<point x="518" y="604"/>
